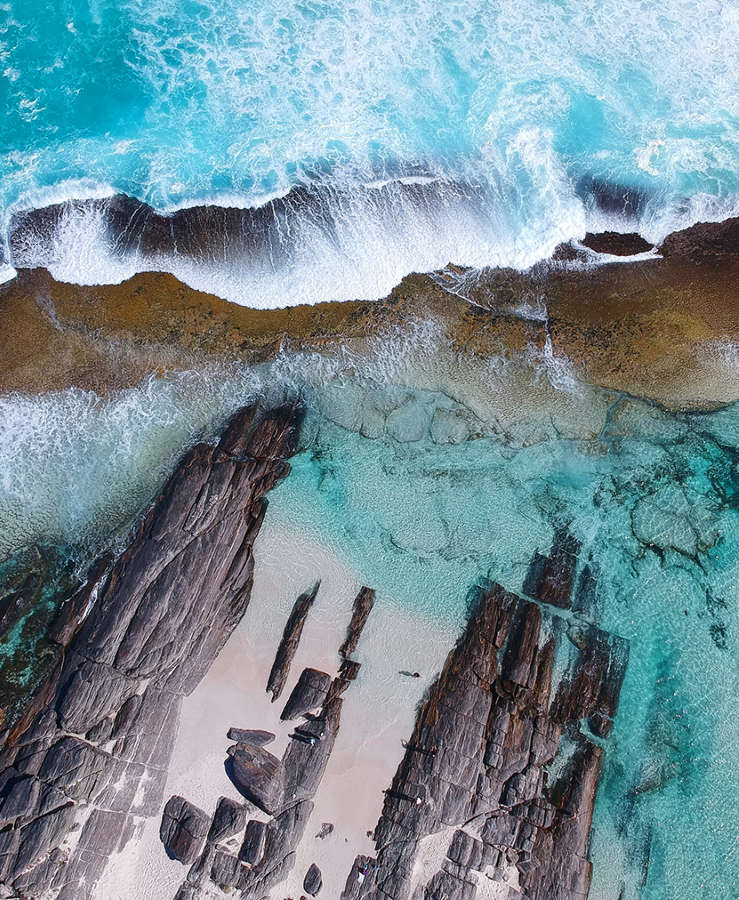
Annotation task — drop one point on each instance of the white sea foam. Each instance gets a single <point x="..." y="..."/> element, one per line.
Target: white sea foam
<point x="73" y="467"/>
<point x="437" y="132"/>
<point x="351" y="242"/>
<point x="358" y="242"/>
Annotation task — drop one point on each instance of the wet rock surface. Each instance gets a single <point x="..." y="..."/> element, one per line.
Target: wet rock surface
<point x="616" y="244"/>
<point x="550" y="578"/>
<point x="138" y="636"/>
<point x="498" y="767"/>
<point x="653" y="328"/>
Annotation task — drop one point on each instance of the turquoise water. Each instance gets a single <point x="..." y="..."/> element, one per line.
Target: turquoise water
<point x="502" y="114"/>
<point x="656" y="505"/>
<point x="438" y="498"/>
<point x="419" y="133"/>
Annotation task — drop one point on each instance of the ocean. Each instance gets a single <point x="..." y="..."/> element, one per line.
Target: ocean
<point x="400" y="136"/>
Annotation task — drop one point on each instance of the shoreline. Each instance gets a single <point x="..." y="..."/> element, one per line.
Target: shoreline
<point x="232" y="694"/>
<point x="665" y="328"/>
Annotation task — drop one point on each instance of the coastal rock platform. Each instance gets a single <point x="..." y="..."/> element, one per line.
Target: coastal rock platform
<point x="661" y="326"/>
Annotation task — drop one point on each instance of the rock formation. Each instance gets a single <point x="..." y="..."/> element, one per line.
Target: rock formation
<point x="616" y="323"/>
<point x="500" y="773"/>
<point x="90" y="749"/>
<point x="289" y="643"/>
<point x="283" y="788"/>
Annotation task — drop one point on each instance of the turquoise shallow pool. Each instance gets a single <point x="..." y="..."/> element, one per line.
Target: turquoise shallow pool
<point x="438" y="499"/>
<point x="655" y="503"/>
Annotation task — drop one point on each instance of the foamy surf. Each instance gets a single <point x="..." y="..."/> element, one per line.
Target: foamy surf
<point x="336" y="242"/>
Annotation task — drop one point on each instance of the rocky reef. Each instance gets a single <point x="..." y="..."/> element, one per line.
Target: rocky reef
<point x="659" y="327"/>
<point x="90" y="747"/>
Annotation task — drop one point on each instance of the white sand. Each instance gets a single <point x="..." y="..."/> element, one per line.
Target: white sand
<point x="378" y="712"/>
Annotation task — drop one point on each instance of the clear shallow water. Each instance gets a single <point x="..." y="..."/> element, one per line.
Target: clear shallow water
<point x="503" y="112"/>
<point x="425" y="508"/>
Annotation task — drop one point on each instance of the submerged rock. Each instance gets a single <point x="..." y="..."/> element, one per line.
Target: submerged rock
<point x="257" y="774"/>
<point x="409" y="422"/>
<point x="550" y="578"/>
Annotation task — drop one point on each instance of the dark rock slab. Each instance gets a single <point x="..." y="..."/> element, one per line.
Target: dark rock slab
<point x="363" y="603"/>
<point x="225" y="869"/>
<point x="253" y="736"/>
<point x="252" y="847"/>
<point x="550" y="578"/>
<point x="591" y="690"/>
<point x="309" y="693"/>
<point x="289" y="643"/>
<point x="137" y="636"/>
<point x="183" y="829"/>
<point x="313" y="881"/>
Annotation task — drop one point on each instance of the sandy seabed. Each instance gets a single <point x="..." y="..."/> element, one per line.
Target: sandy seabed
<point x="378" y="713"/>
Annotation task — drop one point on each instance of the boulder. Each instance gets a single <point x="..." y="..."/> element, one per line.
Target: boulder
<point x="313" y="882"/>
<point x="308" y="694"/>
<point x="257" y="774"/>
<point x="183" y="829"/>
<point x="253" y="736"/>
<point x="228" y="820"/>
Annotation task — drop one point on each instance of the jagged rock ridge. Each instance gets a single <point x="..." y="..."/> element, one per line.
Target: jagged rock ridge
<point x="91" y="750"/>
<point x="500" y="773"/>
